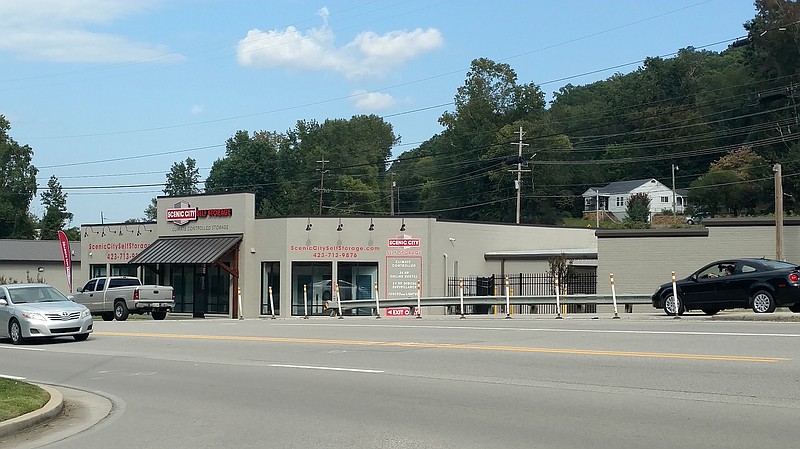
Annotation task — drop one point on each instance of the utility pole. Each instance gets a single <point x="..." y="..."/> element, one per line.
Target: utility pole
<point x="674" y="209"/>
<point x="391" y="196"/>
<point x="519" y="170"/>
<point x="778" y="212"/>
<point x="322" y="172"/>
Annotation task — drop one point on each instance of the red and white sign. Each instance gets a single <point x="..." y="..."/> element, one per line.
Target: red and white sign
<point x="401" y="311"/>
<point x="182" y="213"/>
<point x="66" y="255"/>
<point x="405" y="242"/>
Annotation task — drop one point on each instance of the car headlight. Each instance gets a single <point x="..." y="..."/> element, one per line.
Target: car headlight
<point x="34" y="316"/>
<point x="85" y="313"/>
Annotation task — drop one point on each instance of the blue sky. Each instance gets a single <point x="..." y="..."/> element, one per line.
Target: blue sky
<point x="110" y="93"/>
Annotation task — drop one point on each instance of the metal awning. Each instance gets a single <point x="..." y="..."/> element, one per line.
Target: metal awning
<point x="541" y="254"/>
<point x="189" y="250"/>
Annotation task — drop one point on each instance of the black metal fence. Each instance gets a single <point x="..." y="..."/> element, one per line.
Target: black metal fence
<point x="525" y="284"/>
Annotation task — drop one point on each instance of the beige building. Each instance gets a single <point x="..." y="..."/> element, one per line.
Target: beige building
<point x="39" y="261"/>
<point x="211" y="247"/>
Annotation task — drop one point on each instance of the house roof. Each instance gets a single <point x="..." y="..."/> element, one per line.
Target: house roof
<point x="626" y="187"/>
<point x="12" y="250"/>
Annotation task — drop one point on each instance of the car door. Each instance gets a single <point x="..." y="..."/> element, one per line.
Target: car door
<point x="700" y="290"/>
<point x="734" y="290"/>
<point x="86" y="295"/>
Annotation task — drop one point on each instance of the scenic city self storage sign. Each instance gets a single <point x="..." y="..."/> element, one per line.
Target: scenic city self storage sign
<point x="183" y="213"/>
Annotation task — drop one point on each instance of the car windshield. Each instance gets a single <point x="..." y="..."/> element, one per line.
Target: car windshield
<point x="778" y="265"/>
<point x="36" y="293"/>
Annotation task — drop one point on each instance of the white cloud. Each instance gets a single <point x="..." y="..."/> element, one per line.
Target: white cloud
<point x="56" y="30"/>
<point x="368" y="54"/>
<point x="372" y="101"/>
<point x="196" y="110"/>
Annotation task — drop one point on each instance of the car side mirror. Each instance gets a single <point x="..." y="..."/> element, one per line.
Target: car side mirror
<point x="3" y="302"/>
<point x="79" y="289"/>
<point x="694" y="277"/>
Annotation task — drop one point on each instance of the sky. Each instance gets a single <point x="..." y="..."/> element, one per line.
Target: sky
<point x="109" y="94"/>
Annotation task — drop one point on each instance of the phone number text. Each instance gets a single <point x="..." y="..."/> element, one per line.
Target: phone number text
<point x="334" y="255"/>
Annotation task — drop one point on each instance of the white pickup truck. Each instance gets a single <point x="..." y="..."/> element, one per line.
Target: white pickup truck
<point x="119" y="296"/>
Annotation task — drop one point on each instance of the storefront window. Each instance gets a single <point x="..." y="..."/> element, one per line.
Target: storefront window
<point x="123" y="270"/>
<point x="218" y="290"/>
<point x="315" y="278"/>
<point x="357" y="281"/>
<point x="97" y="270"/>
<point x="270" y="277"/>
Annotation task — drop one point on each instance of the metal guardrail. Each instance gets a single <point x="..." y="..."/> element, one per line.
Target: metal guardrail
<point x="491" y="300"/>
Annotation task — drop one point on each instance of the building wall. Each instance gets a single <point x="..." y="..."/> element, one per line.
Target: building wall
<point x="51" y="273"/>
<point x="643" y="260"/>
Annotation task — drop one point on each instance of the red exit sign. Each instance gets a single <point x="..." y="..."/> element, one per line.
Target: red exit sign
<point x="400" y="311"/>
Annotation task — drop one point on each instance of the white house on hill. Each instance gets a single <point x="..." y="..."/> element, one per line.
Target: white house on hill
<point x="613" y="198"/>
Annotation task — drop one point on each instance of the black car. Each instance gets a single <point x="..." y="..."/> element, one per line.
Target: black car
<point x="760" y="284"/>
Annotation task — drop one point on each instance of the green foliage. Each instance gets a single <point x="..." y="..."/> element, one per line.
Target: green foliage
<point x="56" y="215"/>
<point x="637" y="210"/>
<point x="183" y="179"/>
<point x="737" y="183"/>
<point x="17" y="186"/>
<point x="18" y="398"/>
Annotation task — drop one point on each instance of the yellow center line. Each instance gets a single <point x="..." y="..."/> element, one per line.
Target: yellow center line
<point x="401" y="344"/>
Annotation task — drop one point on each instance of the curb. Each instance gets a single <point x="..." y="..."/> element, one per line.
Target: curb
<point x="28" y="420"/>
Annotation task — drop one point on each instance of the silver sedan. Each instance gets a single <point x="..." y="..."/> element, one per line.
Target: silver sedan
<point x="30" y="311"/>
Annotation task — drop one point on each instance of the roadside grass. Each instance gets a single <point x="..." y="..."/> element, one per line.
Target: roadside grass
<point x="18" y="398"/>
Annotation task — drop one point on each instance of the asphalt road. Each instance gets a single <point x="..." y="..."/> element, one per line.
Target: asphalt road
<point x="641" y="381"/>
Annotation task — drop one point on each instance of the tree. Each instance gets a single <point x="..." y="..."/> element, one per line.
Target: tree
<point x="17" y="186"/>
<point x="183" y="179"/>
<point x="736" y="183"/>
<point x="56" y="216"/>
<point x="638" y="210"/>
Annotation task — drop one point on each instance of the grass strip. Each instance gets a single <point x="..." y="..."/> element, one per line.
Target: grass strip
<point x="18" y="398"/>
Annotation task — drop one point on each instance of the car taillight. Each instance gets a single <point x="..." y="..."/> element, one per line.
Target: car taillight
<point x="794" y="277"/>
<point x="136" y="295"/>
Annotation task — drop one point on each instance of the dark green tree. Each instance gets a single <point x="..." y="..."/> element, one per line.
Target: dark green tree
<point x="183" y="179"/>
<point x="56" y="216"/>
<point x="17" y="186"/>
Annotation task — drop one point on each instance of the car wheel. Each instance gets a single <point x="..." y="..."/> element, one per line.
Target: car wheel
<point x="120" y="311"/>
<point x="15" y="332"/>
<point x="669" y="305"/>
<point x="80" y="337"/>
<point x="158" y="315"/>
<point x="795" y="308"/>
<point x="107" y="316"/>
<point x="763" y="302"/>
<point x="690" y="222"/>
<point x="711" y="311"/>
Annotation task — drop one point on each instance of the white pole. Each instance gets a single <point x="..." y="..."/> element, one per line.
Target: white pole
<point x="338" y="299"/>
<point x="675" y="297"/>
<point x="508" y="299"/>
<point x="614" y="296"/>
<point x="558" y="300"/>
<point x="271" y="303"/>
<point x="419" y="299"/>
<point x="461" y="295"/>
<point x="305" y="301"/>
<point x="377" y="301"/>
<point x="239" y="303"/>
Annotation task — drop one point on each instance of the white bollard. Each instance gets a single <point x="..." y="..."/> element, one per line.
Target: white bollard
<point x="558" y="300"/>
<point x="377" y="302"/>
<point x="614" y="295"/>
<point x="271" y="303"/>
<point x="338" y="299"/>
<point x="508" y="300"/>
<point x="675" y="297"/>
<point x="239" y="303"/>
<point x="419" y="299"/>
<point x="305" y="301"/>
<point x="461" y="295"/>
